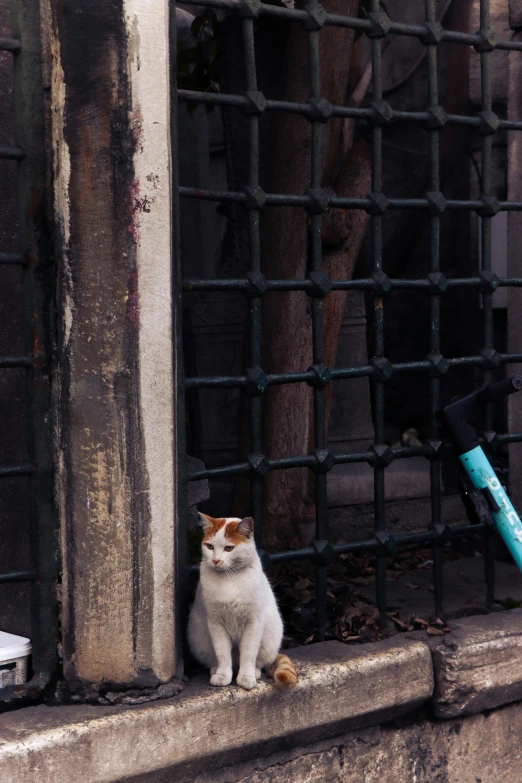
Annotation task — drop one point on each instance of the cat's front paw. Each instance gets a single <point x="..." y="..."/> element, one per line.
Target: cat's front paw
<point x="247" y="681"/>
<point x="221" y="678"/>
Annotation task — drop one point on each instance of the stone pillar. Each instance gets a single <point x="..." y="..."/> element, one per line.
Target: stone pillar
<point x="514" y="247"/>
<point x="114" y="364"/>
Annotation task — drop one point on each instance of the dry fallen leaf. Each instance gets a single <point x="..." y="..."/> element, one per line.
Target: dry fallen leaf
<point x="306" y="597"/>
<point x="302" y="584"/>
<point x="435" y="631"/>
<point x="364" y="608"/>
<point x="402" y="626"/>
<point x="359" y="580"/>
<point x="351" y="611"/>
<point x="369" y="632"/>
<point x="411" y="585"/>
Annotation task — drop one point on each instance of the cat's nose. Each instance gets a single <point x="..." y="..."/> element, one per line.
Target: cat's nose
<point x="215" y="561"/>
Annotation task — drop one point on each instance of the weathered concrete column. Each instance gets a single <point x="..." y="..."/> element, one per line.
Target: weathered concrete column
<point x="114" y="385"/>
<point x="514" y="246"/>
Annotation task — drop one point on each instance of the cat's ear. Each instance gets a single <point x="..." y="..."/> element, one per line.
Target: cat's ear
<point x="246" y="527"/>
<point x="205" y="522"/>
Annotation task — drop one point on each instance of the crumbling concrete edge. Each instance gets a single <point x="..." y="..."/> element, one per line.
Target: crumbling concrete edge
<point x="476" y="667"/>
<point x="479" y="665"/>
<point x="340" y="689"/>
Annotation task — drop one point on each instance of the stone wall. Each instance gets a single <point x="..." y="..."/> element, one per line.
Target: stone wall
<point x="482" y="749"/>
<point x="409" y="709"/>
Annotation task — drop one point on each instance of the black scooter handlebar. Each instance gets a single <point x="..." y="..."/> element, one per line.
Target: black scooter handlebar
<point x="456" y="416"/>
<point x="501" y="389"/>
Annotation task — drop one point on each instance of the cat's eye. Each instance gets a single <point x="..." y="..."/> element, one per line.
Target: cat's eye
<point x="229" y="548"/>
<point x="209" y="546"/>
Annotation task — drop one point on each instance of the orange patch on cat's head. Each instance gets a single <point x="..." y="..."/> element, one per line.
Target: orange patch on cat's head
<point x="239" y="532"/>
<point x="211" y="525"/>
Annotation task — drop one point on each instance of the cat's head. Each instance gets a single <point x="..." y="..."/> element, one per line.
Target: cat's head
<point x="228" y="543"/>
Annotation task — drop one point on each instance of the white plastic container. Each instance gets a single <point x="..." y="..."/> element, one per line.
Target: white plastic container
<point x="14" y="654"/>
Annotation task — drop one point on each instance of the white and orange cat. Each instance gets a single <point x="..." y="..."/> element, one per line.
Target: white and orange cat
<point x="234" y="621"/>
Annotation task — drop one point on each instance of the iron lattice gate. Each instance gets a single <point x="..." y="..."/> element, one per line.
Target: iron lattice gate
<point x="25" y="150"/>
<point x="376" y="25"/>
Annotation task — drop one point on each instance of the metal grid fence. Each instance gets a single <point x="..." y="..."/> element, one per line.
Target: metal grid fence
<point x="33" y="258"/>
<point x="379" y="369"/>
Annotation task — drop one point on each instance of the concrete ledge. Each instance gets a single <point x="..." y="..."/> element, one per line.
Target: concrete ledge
<point x="340" y="688"/>
<point x="479" y="665"/>
<point x="484" y="748"/>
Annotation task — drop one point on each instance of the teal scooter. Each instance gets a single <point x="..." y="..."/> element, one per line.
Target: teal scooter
<point x="490" y="495"/>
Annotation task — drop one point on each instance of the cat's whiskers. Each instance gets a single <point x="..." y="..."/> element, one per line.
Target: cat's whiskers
<point x="233" y="569"/>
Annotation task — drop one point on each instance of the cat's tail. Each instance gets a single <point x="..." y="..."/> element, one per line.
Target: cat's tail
<point x="283" y="671"/>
